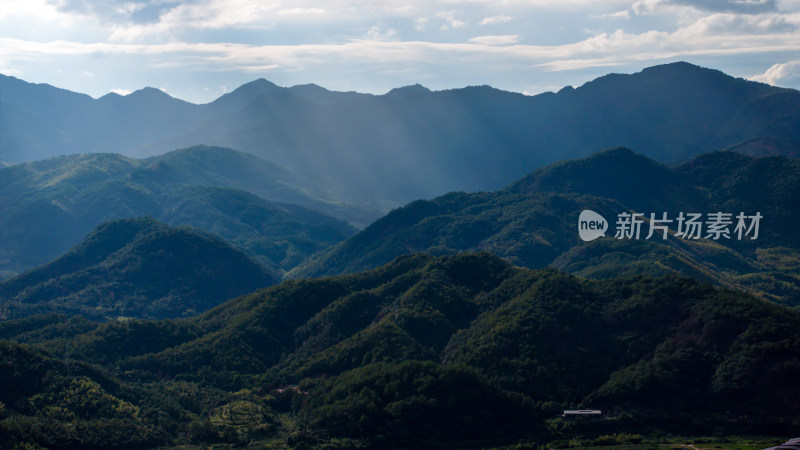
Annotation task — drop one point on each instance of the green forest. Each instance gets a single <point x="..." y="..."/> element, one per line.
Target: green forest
<point x="462" y="351"/>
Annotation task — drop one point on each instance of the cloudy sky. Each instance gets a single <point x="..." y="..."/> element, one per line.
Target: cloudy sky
<point x="199" y="49"/>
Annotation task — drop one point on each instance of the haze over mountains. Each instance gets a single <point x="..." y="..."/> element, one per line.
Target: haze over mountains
<point x="383" y="151"/>
<point x="49" y="206"/>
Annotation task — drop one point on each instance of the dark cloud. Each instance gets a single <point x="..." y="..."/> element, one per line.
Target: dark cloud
<point x="116" y="11"/>
<point x="735" y="6"/>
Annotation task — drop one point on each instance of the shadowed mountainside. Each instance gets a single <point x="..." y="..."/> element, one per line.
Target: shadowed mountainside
<point x="136" y="268"/>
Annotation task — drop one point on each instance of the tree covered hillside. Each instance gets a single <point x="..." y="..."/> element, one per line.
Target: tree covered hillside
<point x="49" y="206"/>
<point x="135" y="267"/>
<point x="464" y="351"/>
<point x="534" y="222"/>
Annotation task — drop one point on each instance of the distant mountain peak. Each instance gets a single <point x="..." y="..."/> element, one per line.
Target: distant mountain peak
<point x="616" y="152"/>
<point x="411" y="89"/>
<point x="245" y="93"/>
<point x="632" y="179"/>
<point x="682" y="68"/>
<point x="310" y="86"/>
<point x="716" y="159"/>
<point x="149" y="92"/>
<point x="666" y="74"/>
<point x="677" y="65"/>
<point x="622" y="155"/>
<point x="110" y="95"/>
<point x="309" y="90"/>
<point x="255" y="88"/>
<point x="617" y="157"/>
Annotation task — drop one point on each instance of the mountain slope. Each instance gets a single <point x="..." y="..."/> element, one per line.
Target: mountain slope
<point x="216" y="166"/>
<point x="533" y="222"/>
<point x="634" y="180"/>
<point x="135" y="267"/>
<point x="49" y="206"/>
<point x="528" y="230"/>
<point x="55" y="401"/>
<point x="278" y="235"/>
<point x="716" y="181"/>
<point x="41" y="394"/>
<point x="377" y="356"/>
<point x="413" y="143"/>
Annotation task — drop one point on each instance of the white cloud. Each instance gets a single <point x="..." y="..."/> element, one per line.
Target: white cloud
<point x="450" y="20"/>
<point x="495" y="20"/>
<point x="377" y="33"/>
<point x="727" y="23"/>
<point x="779" y="73"/>
<point x="642" y="7"/>
<point x="129" y="8"/>
<point x="208" y="14"/>
<point x="601" y="49"/>
<point x="122" y="92"/>
<point x="735" y="6"/>
<point x="496" y="40"/>
<point x="300" y="11"/>
<point x="624" y="14"/>
<point x="527" y="3"/>
<point x="27" y="9"/>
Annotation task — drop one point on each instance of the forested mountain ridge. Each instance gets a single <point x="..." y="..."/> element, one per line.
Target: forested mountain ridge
<point x="411" y="142"/>
<point x="135" y="268"/>
<point x="415" y="350"/>
<point x="49" y="206"/>
<point x="533" y="222"/>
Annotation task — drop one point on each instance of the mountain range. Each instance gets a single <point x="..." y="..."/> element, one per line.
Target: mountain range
<point x="382" y="151"/>
<point x="533" y="222"/>
<point x="49" y="206"/>
<point x="461" y="351"/>
<point x="141" y="301"/>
